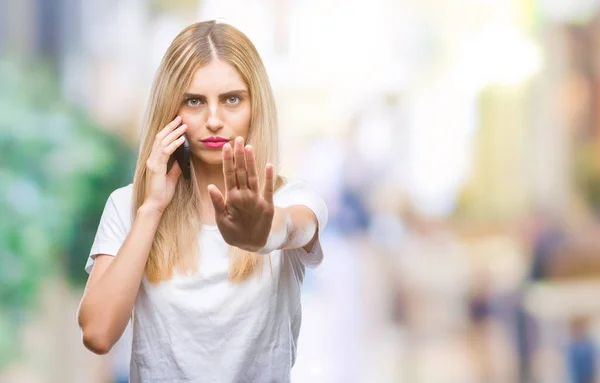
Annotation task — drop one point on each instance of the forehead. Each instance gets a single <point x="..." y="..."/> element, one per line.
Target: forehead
<point x="218" y="76"/>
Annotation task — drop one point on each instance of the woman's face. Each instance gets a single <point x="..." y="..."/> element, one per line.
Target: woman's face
<point x="217" y="109"/>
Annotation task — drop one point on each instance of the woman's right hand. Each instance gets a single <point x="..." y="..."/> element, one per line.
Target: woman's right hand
<point x="160" y="185"/>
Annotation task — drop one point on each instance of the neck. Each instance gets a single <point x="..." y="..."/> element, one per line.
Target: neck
<point x="206" y="175"/>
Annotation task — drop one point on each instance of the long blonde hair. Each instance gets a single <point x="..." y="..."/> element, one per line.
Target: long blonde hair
<point x="175" y="243"/>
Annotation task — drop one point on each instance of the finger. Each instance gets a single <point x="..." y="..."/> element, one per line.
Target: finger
<point x="174" y="135"/>
<point x="269" y="186"/>
<point x="169" y="128"/>
<point x="175" y="172"/>
<point x="251" y="166"/>
<point x="218" y="201"/>
<point x="170" y="149"/>
<point x="240" y="163"/>
<point x="228" y="169"/>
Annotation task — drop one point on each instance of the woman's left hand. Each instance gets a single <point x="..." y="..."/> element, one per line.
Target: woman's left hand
<point x="244" y="215"/>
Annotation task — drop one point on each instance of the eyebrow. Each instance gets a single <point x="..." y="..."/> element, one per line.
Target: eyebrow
<point x="222" y="95"/>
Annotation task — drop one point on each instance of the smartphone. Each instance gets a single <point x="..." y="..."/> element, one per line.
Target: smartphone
<point x="182" y="155"/>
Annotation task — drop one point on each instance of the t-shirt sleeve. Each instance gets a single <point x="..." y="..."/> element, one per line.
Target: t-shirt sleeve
<point x="110" y="235"/>
<point x="301" y="193"/>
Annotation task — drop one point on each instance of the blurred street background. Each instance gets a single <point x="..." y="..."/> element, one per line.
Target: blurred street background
<point x="456" y="142"/>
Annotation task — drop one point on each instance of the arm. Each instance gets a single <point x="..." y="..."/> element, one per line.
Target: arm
<point x="114" y="282"/>
<point x="249" y="219"/>
<point x="293" y="227"/>
<point x="113" y="285"/>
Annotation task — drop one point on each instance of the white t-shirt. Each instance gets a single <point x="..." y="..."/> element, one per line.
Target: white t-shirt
<point x="201" y="327"/>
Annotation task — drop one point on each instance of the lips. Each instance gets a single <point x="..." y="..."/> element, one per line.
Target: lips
<point x="215" y="139"/>
<point x="215" y="142"/>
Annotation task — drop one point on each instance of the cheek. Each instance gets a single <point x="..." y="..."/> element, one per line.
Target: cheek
<point x="193" y="120"/>
<point x="240" y="122"/>
<point x="182" y="111"/>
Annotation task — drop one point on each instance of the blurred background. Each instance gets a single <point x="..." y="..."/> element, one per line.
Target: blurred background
<point x="457" y="145"/>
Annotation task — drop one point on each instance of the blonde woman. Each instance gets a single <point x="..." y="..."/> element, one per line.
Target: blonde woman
<point x="208" y="268"/>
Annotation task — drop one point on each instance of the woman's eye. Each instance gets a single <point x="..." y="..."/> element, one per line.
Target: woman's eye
<point x="233" y="100"/>
<point x="192" y="102"/>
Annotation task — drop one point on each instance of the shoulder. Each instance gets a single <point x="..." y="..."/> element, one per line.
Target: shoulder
<point x="120" y="203"/>
<point x="122" y="197"/>
<point x="296" y="191"/>
<point x="292" y="185"/>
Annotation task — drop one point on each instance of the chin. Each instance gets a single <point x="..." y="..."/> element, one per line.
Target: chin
<point x="210" y="158"/>
<point x="214" y="162"/>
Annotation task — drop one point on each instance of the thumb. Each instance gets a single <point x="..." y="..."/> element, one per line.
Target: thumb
<point x="218" y="200"/>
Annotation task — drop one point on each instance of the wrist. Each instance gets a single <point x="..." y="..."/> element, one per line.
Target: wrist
<point x="277" y="234"/>
<point x="269" y="246"/>
<point x="264" y="249"/>
<point x="149" y="210"/>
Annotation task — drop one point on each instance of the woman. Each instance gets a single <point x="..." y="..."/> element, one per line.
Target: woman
<point x="184" y="258"/>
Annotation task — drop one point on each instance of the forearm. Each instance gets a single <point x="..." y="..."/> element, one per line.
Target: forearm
<point x="108" y="303"/>
<point x="292" y="228"/>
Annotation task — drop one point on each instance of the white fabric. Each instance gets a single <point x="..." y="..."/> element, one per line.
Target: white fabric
<point x="202" y="328"/>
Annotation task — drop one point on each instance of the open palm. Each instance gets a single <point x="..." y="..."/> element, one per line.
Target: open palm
<point x="244" y="215"/>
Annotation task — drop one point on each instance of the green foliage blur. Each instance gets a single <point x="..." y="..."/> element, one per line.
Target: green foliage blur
<point x="57" y="168"/>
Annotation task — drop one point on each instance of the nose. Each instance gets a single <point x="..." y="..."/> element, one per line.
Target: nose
<point x="214" y="123"/>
